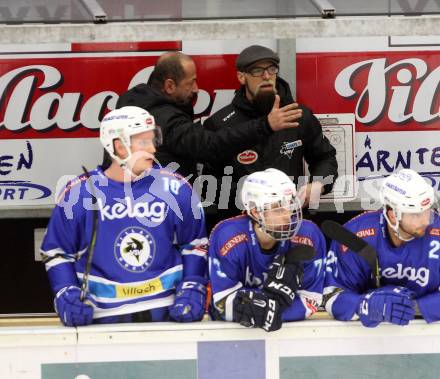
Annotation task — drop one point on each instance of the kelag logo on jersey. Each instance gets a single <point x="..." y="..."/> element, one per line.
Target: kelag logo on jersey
<point x="135" y="249"/>
<point x="22" y="190"/>
<point x="420" y="275"/>
<point x="154" y="211"/>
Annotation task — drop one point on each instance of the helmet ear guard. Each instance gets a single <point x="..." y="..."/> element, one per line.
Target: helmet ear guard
<point x="272" y="190"/>
<point x="123" y="123"/>
<point x="405" y="191"/>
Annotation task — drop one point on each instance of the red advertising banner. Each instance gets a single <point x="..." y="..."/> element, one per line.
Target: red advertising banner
<point x="67" y="95"/>
<point x="387" y="91"/>
<point x="51" y="103"/>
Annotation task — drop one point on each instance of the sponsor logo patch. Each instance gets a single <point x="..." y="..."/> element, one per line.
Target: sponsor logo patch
<point x="370" y="232"/>
<point x="247" y="157"/>
<point x="234" y="241"/>
<point x="302" y="240"/>
<point x="395" y="188"/>
<point x="425" y="202"/>
<point x="147" y="288"/>
<point x="288" y="147"/>
<point x="435" y="232"/>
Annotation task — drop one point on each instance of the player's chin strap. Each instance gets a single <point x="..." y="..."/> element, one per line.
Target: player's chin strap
<point x="123" y="163"/>
<point x="396" y="226"/>
<point x="130" y="173"/>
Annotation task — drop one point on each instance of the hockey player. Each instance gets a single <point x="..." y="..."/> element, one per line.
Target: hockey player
<point x="406" y="237"/>
<point x="148" y="261"/>
<point x="252" y="281"/>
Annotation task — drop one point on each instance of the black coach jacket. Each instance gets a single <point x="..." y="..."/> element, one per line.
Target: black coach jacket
<point x="283" y="150"/>
<point x="186" y="142"/>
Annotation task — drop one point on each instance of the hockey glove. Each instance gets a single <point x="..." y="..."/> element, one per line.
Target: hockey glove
<point x="71" y="310"/>
<point x="254" y="309"/>
<point x="398" y="290"/>
<point x="189" y="304"/>
<point x="283" y="279"/>
<point x="391" y="304"/>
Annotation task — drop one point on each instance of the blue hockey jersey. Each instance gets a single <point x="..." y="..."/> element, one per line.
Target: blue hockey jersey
<point x="414" y="265"/>
<point x="236" y="262"/>
<point x="150" y="236"/>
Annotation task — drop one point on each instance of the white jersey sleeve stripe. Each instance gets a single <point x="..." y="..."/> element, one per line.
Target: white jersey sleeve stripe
<point x="57" y="261"/>
<point x="192" y="248"/>
<point x="199" y="253"/>
<point x="60" y="252"/>
<point x="221" y="295"/>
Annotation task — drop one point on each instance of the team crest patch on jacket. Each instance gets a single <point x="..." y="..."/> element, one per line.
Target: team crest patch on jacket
<point x="234" y="241"/>
<point x="247" y="157"/>
<point x="288" y="147"/>
<point x="135" y="249"/>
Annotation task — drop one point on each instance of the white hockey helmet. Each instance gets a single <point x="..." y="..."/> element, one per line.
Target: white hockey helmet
<point x="272" y="189"/>
<point x="123" y="123"/>
<point x="405" y="191"/>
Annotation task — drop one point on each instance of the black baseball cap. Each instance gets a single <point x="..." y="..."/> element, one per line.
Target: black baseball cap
<point x="253" y="54"/>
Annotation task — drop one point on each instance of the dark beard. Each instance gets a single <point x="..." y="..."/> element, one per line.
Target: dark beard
<point x="189" y="101"/>
<point x="263" y="102"/>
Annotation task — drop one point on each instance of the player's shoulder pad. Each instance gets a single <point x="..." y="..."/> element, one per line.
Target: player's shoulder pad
<point x="163" y="172"/>
<point x="434" y="229"/>
<point x="365" y="224"/>
<point x="227" y="223"/>
<point x="307" y="232"/>
<point x="309" y="225"/>
<point x="72" y="185"/>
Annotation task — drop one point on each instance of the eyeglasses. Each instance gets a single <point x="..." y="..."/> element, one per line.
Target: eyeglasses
<point x="259" y="71"/>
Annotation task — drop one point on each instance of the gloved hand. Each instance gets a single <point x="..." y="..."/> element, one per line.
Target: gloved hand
<point x="189" y="304"/>
<point x="390" y="303"/>
<point x="71" y="310"/>
<point x="255" y="309"/>
<point x="398" y="289"/>
<point x="283" y="279"/>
